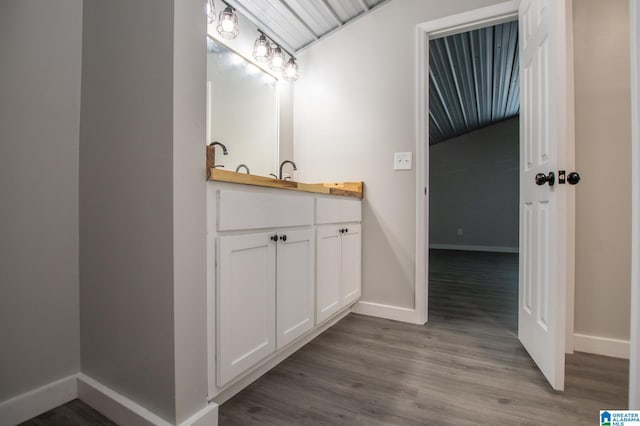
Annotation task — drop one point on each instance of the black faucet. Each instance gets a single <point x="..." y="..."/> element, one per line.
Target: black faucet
<point x="242" y="166"/>
<point x="221" y="145"/>
<point x="285" y="162"/>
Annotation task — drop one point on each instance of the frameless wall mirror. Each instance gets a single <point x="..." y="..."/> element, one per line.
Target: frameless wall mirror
<point x="242" y="111"/>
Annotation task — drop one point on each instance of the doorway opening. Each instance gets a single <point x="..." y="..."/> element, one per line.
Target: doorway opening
<point x="474" y="161"/>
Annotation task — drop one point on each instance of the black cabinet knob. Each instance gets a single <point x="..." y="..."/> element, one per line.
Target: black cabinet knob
<point x="573" y="178"/>
<point x="283" y="238"/>
<point x="274" y="237"/>
<point x="346" y="229"/>
<point x="541" y="179"/>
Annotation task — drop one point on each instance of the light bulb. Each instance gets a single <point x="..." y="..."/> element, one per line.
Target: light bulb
<point x="262" y="49"/>
<point x="290" y="70"/>
<point x="227" y="25"/>
<point x="277" y="60"/>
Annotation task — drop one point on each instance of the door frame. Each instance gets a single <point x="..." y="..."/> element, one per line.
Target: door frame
<point x="462" y="22"/>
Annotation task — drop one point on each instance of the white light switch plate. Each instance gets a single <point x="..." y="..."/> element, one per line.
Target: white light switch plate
<point x="402" y="161"/>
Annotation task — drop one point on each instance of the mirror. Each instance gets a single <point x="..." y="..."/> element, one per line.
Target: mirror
<point x="242" y="111"/>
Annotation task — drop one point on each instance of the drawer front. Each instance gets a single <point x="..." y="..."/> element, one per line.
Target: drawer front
<point x="338" y="210"/>
<point x="238" y="210"/>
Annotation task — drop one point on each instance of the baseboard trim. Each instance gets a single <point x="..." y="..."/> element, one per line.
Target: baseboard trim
<point x="115" y="406"/>
<point x="205" y="417"/>
<point x="35" y="402"/>
<point x="497" y="249"/>
<point x="379" y="310"/>
<point x="124" y="411"/>
<point x="601" y="346"/>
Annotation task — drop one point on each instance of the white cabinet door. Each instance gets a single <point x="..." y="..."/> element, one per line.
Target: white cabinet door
<point x="246" y="303"/>
<point x="294" y="283"/>
<point x="351" y="264"/>
<point x="328" y="273"/>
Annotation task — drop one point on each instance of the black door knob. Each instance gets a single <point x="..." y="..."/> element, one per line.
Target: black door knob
<point x="274" y="237"/>
<point x="283" y="238"/>
<point x="541" y="179"/>
<point x="573" y="178"/>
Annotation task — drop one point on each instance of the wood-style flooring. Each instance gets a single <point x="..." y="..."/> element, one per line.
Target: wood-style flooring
<point x="74" y="413"/>
<point x="464" y="367"/>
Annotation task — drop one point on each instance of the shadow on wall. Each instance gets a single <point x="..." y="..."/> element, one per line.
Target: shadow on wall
<point x="382" y="259"/>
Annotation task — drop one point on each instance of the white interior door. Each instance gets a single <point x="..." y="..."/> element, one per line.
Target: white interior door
<point x="544" y="210"/>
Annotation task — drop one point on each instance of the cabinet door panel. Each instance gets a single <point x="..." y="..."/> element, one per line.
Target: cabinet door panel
<point x="351" y="264"/>
<point x="328" y="273"/>
<point x="245" y="303"/>
<point x="295" y="286"/>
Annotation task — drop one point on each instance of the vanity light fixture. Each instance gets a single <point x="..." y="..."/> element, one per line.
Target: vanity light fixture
<point x="228" y="26"/>
<point x="290" y="72"/>
<point x="267" y="50"/>
<point x="262" y="48"/>
<point x="211" y="11"/>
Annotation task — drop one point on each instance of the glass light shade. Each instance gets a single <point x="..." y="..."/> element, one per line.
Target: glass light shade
<point x="211" y="11"/>
<point x="290" y="72"/>
<point x="262" y="49"/>
<point x="228" y="26"/>
<point x="277" y="59"/>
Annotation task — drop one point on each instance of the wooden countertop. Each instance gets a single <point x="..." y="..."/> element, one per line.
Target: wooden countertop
<point x="345" y="189"/>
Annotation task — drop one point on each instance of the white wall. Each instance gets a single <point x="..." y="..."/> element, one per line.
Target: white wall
<point x="40" y="47"/>
<point x="353" y="108"/>
<point x="603" y="152"/>
<point x="189" y="209"/>
<point x="473" y="185"/>
<point x="126" y="200"/>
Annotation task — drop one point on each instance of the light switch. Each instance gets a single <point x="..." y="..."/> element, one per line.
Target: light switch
<point x="402" y="161"/>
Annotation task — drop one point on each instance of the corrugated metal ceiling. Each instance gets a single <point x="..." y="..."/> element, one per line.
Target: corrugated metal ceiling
<point x="473" y="80"/>
<point x="297" y="24"/>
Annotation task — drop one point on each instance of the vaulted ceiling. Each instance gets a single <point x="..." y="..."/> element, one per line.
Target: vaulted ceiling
<point x="473" y="80"/>
<point x="297" y="24"/>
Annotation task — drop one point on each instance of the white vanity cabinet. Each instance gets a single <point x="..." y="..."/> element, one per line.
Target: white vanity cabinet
<point x="264" y="288"/>
<point x="338" y="255"/>
<point x="278" y="265"/>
